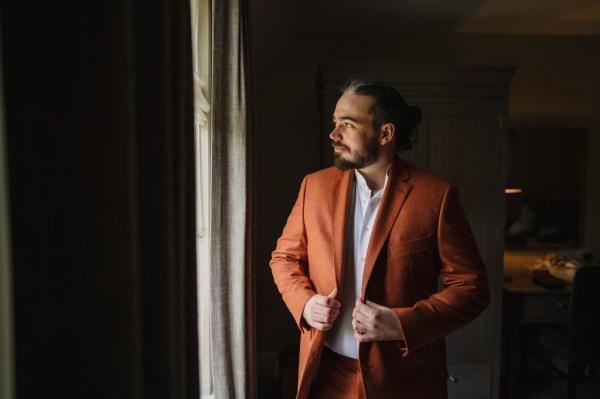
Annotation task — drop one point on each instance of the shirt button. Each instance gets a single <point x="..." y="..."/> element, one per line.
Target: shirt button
<point x="366" y="229"/>
<point x="362" y="259"/>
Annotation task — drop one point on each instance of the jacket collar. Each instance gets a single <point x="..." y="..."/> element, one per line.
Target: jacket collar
<point x="396" y="191"/>
<point x="394" y="196"/>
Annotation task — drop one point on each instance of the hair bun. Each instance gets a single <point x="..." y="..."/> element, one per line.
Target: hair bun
<point x="414" y="115"/>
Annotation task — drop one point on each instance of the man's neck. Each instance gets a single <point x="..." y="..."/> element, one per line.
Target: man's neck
<point x="374" y="174"/>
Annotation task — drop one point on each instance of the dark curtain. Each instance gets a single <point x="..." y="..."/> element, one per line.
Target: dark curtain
<point x="99" y="124"/>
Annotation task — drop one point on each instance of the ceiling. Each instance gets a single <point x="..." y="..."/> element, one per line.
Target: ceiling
<point x="544" y="17"/>
<point x="276" y="22"/>
<point x="562" y="17"/>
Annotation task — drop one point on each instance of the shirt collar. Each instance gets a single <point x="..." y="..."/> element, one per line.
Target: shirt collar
<point x="362" y="183"/>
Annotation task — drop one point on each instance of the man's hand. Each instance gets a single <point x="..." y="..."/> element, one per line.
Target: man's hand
<point x="321" y="311"/>
<point x="373" y="322"/>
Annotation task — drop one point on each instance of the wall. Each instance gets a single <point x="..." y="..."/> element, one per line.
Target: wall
<point x="556" y="85"/>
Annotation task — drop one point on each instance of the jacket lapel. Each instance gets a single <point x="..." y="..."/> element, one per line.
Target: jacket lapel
<point x="340" y="194"/>
<point x="393" y="198"/>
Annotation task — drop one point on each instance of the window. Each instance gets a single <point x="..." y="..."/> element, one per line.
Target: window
<point x="201" y="42"/>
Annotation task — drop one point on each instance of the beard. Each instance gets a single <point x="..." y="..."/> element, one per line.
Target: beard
<point x="358" y="159"/>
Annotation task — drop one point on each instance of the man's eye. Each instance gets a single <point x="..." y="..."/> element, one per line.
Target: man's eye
<point x="348" y="125"/>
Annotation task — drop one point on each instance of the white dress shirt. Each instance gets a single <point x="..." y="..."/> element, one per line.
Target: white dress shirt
<point x="362" y="211"/>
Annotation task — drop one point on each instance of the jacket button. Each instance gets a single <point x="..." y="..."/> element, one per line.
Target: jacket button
<point x="365" y="368"/>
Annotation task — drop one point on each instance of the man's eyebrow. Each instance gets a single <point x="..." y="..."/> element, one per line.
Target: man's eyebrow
<point x="347" y="118"/>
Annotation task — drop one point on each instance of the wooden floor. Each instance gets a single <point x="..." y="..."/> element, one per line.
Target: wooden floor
<point x="542" y="384"/>
<point x="539" y="384"/>
<point x="268" y="388"/>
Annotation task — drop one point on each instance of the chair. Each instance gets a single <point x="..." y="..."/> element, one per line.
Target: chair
<point x="573" y="350"/>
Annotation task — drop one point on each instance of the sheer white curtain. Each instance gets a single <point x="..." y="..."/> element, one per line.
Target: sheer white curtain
<point x="202" y="46"/>
<point x="224" y="193"/>
<point x="232" y="273"/>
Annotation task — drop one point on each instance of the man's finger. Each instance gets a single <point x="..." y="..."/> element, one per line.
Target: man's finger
<point x="374" y="305"/>
<point x="361" y="308"/>
<point x="327" y="301"/>
<point x="323" y="326"/>
<point x="323" y="300"/>
<point x="331" y="301"/>
<point x="327" y="313"/>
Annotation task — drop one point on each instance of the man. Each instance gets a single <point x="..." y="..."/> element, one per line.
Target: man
<point x="359" y="259"/>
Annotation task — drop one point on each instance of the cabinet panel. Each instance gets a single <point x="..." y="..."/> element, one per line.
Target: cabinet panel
<point x="469" y="382"/>
<point x="464" y="142"/>
<point x="544" y="308"/>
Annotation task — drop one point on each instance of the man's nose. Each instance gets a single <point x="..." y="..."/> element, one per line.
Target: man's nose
<point x="335" y="134"/>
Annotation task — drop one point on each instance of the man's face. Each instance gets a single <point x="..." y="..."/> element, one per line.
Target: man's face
<point x="355" y="142"/>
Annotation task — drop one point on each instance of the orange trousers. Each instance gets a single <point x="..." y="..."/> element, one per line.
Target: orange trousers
<point x="338" y="377"/>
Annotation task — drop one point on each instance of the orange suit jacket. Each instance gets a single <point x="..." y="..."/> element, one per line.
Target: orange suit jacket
<point x="420" y="235"/>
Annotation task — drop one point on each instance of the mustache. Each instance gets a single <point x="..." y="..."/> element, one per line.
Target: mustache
<point x="338" y="144"/>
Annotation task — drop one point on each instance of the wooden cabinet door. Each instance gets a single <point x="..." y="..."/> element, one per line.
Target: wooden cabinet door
<point x="465" y="143"/>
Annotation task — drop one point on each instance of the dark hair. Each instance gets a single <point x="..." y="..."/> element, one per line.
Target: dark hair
<point x="388" y="107"/>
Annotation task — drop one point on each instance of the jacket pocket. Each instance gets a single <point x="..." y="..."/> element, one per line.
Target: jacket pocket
<point x="410" y="246"/>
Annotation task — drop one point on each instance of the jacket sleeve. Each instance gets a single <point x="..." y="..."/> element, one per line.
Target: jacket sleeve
<point x="466" y="293"/>
<point x="289" y="262"/>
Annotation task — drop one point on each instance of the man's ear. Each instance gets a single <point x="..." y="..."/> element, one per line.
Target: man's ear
<point x="388" y="131"/>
